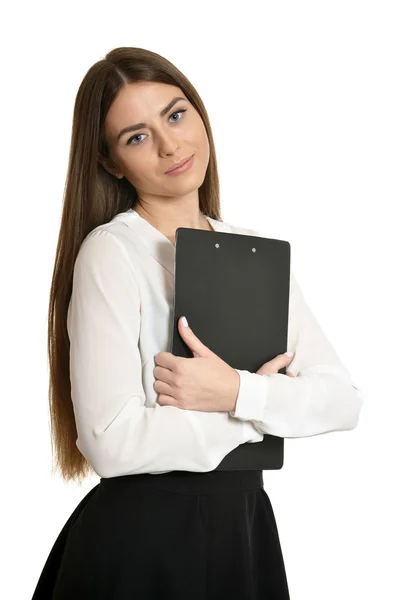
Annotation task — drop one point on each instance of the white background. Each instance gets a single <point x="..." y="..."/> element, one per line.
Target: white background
<point x="303" y="100"/>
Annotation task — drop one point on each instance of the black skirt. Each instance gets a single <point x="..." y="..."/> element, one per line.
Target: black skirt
<point x="178" y="536"/>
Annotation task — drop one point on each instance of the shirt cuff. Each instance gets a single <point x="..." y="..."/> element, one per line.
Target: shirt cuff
<point x="252" y="396"/>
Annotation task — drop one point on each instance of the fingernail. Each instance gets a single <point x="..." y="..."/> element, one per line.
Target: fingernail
<point x="289" y="353"/>
<point x="184" y="320"/>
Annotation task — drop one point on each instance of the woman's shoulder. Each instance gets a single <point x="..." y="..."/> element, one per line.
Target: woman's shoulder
<point x="108" y="233"/>
<point x="103" y="245"/>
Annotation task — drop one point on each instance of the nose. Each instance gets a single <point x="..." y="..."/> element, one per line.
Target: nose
<point x="168" y="145"/>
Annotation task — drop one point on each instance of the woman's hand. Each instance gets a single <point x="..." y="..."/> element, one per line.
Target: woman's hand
<point x="204" y="382"/>
<point x="274" y="365"/>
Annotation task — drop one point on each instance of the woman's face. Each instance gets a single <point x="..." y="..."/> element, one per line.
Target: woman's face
<point x="144" y="154"/>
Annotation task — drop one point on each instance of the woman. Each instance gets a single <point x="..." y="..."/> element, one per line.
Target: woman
<point x="161" y="523"/>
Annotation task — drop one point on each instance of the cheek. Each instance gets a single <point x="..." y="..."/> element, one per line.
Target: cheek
<point x="140" y="168"/>
<point x="197" y="138"/>
<point x="201" y="132"/>
<point x="204" y="147"/>
<point x="204" y="141"/>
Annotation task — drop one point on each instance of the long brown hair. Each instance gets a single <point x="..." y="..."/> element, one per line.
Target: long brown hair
<point x="92" y="197"/>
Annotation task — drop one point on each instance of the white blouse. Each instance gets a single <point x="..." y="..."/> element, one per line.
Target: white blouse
<point x="120" y="317"/>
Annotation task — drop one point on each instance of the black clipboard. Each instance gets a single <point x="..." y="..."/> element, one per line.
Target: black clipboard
<point x="234" y="290"/>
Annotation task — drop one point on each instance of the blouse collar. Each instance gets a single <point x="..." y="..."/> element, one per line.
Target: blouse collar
<point x="155" y="242"/>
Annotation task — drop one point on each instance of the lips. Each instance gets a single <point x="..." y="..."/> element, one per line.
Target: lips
<point x="179" y="164"/>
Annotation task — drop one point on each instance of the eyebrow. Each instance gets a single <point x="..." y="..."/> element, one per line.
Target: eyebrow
<point x="140" y="125"/>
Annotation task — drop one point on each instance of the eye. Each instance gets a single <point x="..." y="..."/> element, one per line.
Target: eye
<point x="183" y="110"/>
<point x="137" y="135"/>
<point x="132" y="138"/>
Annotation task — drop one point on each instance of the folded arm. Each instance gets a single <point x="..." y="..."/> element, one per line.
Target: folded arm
<point x="117" y="433"/>
<point x="321" y="398"/>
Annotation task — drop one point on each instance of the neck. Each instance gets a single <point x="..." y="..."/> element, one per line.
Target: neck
<point x="167" y="222"/>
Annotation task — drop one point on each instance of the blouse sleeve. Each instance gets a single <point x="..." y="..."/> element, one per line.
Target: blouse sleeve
<point x="320" y="399"/>
<point x="117" y="433"/>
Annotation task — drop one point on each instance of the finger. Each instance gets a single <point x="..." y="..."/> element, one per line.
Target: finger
<point x="284" y="360"/>
<point x="192" y="341"/>
<point x="166" y="359"/>
<point x="162" y="388"/>
<point x="281" y="360"/>
<point x="163" y="374"/>
<point x="165" y="400"/>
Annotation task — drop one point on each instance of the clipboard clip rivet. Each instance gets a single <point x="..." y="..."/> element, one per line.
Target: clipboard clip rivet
<point x="216" y="245"/>
<point x="253" y="249"/>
